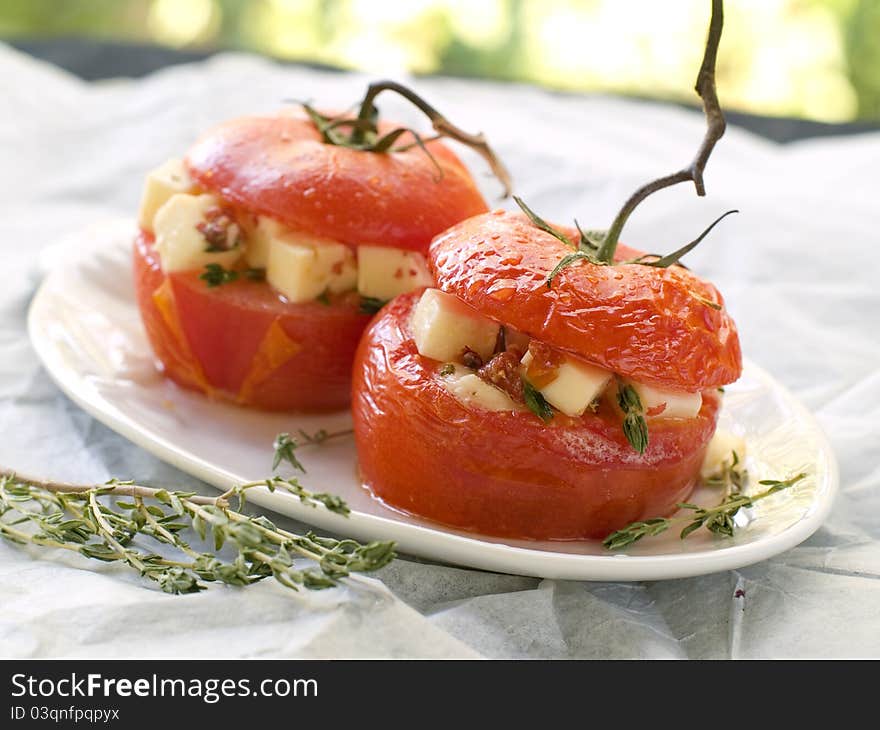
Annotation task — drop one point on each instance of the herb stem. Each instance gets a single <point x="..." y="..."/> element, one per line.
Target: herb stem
<point x="109" y="534"/>
<point x="107" y="530"/>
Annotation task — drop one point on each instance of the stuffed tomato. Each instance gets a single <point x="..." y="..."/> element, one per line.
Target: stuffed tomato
<point x="500" y="405"/>
<point x="264" y="253"/>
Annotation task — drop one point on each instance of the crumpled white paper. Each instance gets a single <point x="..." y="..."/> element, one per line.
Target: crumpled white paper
<point x="798" y="268"/>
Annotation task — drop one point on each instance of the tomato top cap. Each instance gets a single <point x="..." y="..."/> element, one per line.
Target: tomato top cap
<point x="279" y="167"/>
<point x="661" y="326"/>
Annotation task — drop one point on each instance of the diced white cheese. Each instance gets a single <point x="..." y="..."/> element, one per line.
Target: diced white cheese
<point x="576" y="385"/>
<point x="674" y="405"/>
<point x="259" y="238"/>
<point x="385" y="272"/>
<point x="472" y="391"/>
<point x="170" y="178"/>
<point x="720" y="452"/>
<point x="181" y="246"/>
<point x="443" y="326"/>
<point x="302" y="267"/>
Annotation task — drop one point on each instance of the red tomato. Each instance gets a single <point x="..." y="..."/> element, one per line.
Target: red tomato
<point x="242" y="342"/>
<point x="279" y="167"/>
<point x="657" y="326"/>
<point x="507" y="473"/>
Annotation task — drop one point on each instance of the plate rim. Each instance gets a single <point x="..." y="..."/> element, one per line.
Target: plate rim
<point x="435" y="542"/>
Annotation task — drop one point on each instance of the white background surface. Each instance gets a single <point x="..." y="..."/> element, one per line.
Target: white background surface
<point x="798" y="268"/>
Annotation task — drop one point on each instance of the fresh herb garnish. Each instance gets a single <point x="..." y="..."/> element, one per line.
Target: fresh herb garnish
<point x="216" y="275"/>
<point x="285" y="450"/>
<point x="371" y="305"/>
<point x="731" y="476"/>
<point x="635" y="532"/>
<point x="447" y="369"/>
<point x="285" y="445"/>
<point x="536" y="402"/>
<point x="718" y="519"/>
<point x="324" y="297"/>
<point x="112" y="522"/>
<point x="634" y="426"/>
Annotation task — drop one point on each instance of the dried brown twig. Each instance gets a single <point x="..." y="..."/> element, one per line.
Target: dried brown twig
<point x="715" y="126"/>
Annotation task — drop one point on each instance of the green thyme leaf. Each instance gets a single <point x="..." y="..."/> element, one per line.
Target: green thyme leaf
<point x="371" y="305"/>
<point x="116" y="522"/>
<point x="216" y="275"/>
<point x="731" y="476"/>
<point x="447" y="369"/>
<point x="635" y="532"/>
<point x="285" y="450"/>
<point x="324" y="297"/>
<point x="536" y="402"/>
<point x="718" y="519"/>
<point x="634" y="426"/>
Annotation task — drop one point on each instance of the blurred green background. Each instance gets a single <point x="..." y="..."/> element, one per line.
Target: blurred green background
<point x="816" y="59"/>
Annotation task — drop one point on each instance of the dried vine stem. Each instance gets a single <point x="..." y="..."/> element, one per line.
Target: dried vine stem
<point x="442" y="126"/>
<point x="715" y="126"/>
<point x="95" y="521"/>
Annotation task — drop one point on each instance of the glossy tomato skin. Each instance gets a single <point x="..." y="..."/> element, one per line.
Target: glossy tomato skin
<point x="279" y="167"/>
<point x="661" y="326"/>
<point x="243" y="343"/>
<point x="507" y="474"/>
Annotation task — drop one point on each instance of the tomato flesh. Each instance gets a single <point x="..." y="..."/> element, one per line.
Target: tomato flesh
<point x="243" y="342"/>
<point x="508" y="474"/>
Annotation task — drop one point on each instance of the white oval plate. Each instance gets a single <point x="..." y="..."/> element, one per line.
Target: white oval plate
<point x="85" y="326"/>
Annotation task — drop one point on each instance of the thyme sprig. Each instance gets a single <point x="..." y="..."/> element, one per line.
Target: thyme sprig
<point x="718" y="519"/>
<point x="285" y="445"/>
<point x="536" y="402"/>
<point x="635" y="428"/>
<point x="731" y="476"/>
<point x="371" y="305"/>
<point x="362" y="132"/>
<point x="112" y="522"/>
<point x="217" y="275"/>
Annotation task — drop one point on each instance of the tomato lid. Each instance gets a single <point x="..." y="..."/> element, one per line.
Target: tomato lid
<point x="659" y="326"/>
<point x="278" y="166"/>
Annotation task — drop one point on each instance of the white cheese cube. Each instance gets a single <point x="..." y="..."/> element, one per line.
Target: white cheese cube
<point x="576" y="385"/>
<point x="302" y="267"/>
<point x="472" y="391"/>
<point x="666" y="404"/>
<point x="170" y="178"/>
<point x="720" y="452"/>
<point x="259" y="238"/>
<point x="181" y="246"/>
<point x="443" y="326"/>
<point x="385" y="272"/>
